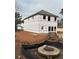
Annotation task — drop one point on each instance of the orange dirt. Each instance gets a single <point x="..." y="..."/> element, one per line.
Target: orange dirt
<point x="30" y="37"/>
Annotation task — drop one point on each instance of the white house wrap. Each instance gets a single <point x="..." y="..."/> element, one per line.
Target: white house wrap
<point x="41" y="22"/>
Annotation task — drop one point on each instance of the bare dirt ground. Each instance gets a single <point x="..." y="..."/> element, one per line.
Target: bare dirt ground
<point x="31" y="53"/>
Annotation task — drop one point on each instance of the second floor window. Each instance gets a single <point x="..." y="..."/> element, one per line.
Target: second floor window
<point x="55" y="19"/>
<point x="48" y="18"/>
<point x="44" y="17"/>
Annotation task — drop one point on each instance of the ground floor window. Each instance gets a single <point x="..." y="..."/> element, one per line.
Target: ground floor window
<point x="54" y="28"/>
<point x="51" y="28"/>
<point x="42" y="27"/>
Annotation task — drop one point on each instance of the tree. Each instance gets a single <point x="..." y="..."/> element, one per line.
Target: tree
<point x="60" y="22"/>
<point x="18" y="20"/>
<point x="61" y="11"/>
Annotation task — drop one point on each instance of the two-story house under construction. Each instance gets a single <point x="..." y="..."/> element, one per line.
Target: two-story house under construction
<point x="41" y="22"/>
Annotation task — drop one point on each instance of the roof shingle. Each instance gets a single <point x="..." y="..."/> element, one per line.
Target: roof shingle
<point x="42" y="12"/>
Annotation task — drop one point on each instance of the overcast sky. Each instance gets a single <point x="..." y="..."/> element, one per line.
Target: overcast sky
<point x="28" y="7"/>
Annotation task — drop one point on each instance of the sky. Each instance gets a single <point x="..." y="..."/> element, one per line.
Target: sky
<point x="28" y="7"/>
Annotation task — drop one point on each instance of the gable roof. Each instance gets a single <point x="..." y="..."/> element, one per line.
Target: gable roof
<point x="42" y="12"/>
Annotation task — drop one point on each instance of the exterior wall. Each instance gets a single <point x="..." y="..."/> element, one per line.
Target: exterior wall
<point x="35" y="23"/>
<point x="34" y="27"/>
<point x="46" y="25"/>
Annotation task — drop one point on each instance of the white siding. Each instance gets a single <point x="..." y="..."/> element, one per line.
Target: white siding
<point x="35" y="23"/>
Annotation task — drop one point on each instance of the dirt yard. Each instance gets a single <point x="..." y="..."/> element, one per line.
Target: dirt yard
<point x="33" y="38"/>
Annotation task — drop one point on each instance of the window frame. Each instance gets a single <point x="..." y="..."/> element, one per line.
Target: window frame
<point x="49" y="28"/>
<point x="55" y="28"/>
<point x="49" y="18"/>
<point x="42" y="27"/>
<point x="55" y="19"/>
<point x="52" y="28"/>
<point x="44" y="16"/>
